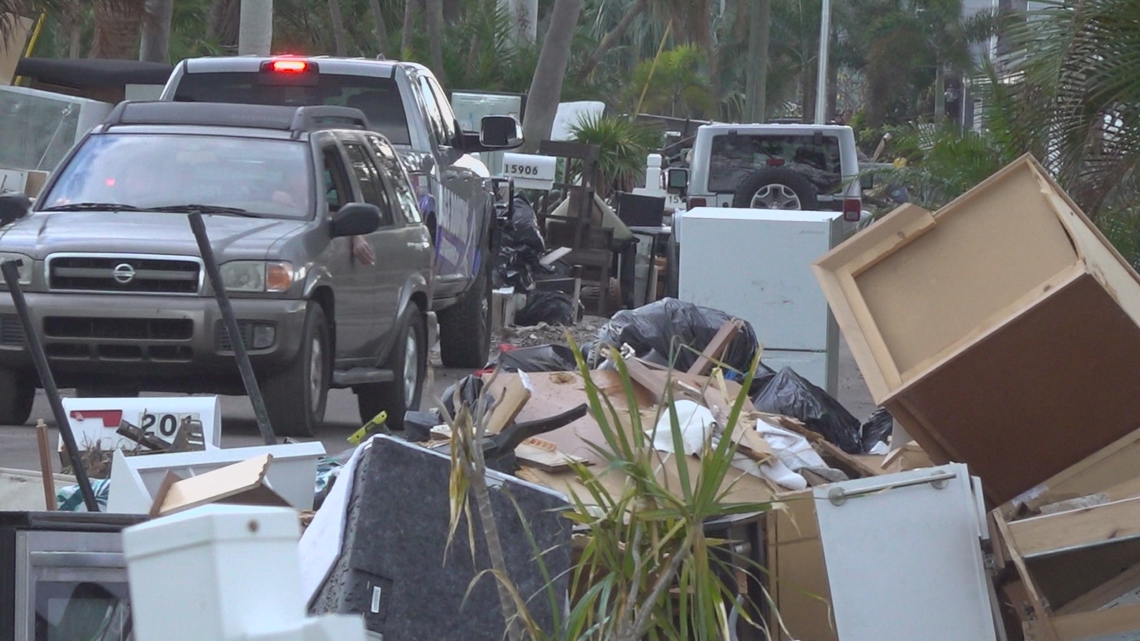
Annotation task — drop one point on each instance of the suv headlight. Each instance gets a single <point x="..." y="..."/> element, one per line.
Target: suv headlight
<point x="257" y="276"/>
<point x="25" y="267"/>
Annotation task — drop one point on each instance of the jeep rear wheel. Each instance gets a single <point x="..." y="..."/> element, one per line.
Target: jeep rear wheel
<point x="776" y="188"/>
<point x="408" y="362"/>
<point x="465" y="327"/>
<point x="295" y="398"/>
<point x="17" y="394"/>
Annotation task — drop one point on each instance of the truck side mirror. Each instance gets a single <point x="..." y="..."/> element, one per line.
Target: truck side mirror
<point x="355" y="219"/>
<point x="14" y="206"/>
<point x="500" y="132"/>
<point x="677" y="180"/>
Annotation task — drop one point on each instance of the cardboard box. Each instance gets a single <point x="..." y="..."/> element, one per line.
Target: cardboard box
<point x="999" y="332"/>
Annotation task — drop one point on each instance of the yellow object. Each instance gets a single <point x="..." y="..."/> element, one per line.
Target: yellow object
<point x="359" y="435"/>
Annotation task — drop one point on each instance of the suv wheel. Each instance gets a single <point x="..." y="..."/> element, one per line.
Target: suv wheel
<point x="295" y="397"/>
<point x="465" y="327"/>
<point x="17" y="393"/>
<point x="409" y="363"/>
<point x="776" y="188"/>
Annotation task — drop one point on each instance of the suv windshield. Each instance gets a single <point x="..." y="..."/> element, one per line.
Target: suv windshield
<point x="735" y="157"/>
<point x="260" y="177"/>
<point x="378" y="98"/>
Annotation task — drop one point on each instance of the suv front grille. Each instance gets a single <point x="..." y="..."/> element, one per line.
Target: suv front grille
<point x="126" y="274"/>
<point x="11" y="331"/>
<point x="168" y="329"/>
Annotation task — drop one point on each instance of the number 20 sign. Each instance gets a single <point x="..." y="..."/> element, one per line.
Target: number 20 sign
<point x="97" y="420"/>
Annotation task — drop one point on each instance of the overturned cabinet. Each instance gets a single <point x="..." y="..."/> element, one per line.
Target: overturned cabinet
<point x="1000" y="331"/>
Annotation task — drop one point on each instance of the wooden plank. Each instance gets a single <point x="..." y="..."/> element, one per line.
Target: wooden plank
<point x="1098" y="623"/>
<point x="545" y="456"/>
<point x="509" y="405"/>
<point x="45" y="465"/>
<point x="1045" y="630"/>
<point x="889" y="234"/>
<point x="1115" y="464"/>
<point x="1117" y="521"/>
<point x="715" y="349"/>
<point x="215" y="486"/>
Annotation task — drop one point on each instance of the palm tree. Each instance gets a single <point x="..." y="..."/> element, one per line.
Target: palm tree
<point x="378" y="24"/>
<point x="546" y="88"/>
<point x="339" y="35"/>
<point x="118" y="28"/>
<point x="156" y="31"/>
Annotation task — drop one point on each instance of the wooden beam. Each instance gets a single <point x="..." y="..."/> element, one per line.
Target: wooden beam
<point x="507" y="409"/>
<point x="45" y="465"/>
<point x="1098" y="623"/>
<point x="1110" y="522"/>
<point x="715" y="349"/>
<point x="1043" y="626"/>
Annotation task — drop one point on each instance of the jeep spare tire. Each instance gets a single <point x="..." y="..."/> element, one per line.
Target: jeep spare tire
<point x="775" y="188"/>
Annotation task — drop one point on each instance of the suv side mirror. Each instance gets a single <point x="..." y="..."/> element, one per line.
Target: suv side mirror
<point x="500" y="132"/>
<point x="677" y="180"/>
<point x="355" y="219"/>
<point x="14" y="205"/>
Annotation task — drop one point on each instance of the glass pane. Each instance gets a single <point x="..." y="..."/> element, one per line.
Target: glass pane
<point x="378" y="98"/>
<point x="38" y="130"/>
<point x="734" y="158"/>
<point x="82" y="611"/>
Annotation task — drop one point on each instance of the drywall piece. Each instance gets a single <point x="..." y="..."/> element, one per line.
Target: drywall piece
<point x="911" y="540"/>
<point x="397" y="570"/>
<point x="954" y="319"/>
<point x="136" y="480"/>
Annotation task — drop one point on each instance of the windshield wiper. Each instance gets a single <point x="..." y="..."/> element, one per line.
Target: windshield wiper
<point x="92" y="207"/>
<point x="203" y="209"/>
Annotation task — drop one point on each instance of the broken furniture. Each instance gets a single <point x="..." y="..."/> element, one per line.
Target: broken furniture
<point x="1078" y="570"/>
<point x="396" y="568"/>
<point x="755" y="264"/>
<point x="137" y="480"/>
<point x="63" y="576"/>
<point x="999" y="331"/>
<point x="225" y="573"/>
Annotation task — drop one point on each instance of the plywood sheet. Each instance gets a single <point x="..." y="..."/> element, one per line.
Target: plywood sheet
<point x="1034" y="397"/>
<point x="987" y="250"/>
<point x="798" y="581"/>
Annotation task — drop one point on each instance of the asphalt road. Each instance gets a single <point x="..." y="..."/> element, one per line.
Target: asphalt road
<point x="18" y="443"/>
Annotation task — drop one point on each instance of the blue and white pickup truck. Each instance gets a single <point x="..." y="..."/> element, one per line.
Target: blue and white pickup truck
<point x="404" y="102"/>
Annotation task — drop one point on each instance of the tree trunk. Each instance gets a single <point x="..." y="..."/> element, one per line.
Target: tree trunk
<point x="546" y="87"/>
<point x="433" y="14"/>
<point x="610" y="39"/>
<point x="339" y="36"/>
<point x="378" y="25"/>
<point x="406" y="31"/>
<point x="760" y="20"/>
<point x="832" y="84"/>
<point x="118" y="27"/>
<point x="939" y="94"/>
<point x="225" y="22"/>
<point x="156" y="31"/>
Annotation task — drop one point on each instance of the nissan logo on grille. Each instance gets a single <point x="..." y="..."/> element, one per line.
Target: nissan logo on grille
<point x="123" y="273"/>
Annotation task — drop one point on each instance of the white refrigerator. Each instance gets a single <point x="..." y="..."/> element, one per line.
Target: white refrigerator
<point x="755" y="264"/>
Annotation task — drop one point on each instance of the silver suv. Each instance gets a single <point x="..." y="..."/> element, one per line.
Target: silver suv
<point x="315" y="228"/>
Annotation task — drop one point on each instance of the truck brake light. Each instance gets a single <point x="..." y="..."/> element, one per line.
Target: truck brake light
<point x="696" y="202"/>
<point x="289" y="66"/>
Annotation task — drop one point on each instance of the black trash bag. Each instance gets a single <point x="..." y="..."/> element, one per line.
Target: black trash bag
<point x="542" y="358"/>
<point x="760" y="380"/>
<point x="877" y="428"/>
<point x="552" y="308"/>
<point x="656" y="325"/>
<point x="792" y="395"/>
<point x="470" y="387"/>
<point x="520" y="247"/>
<point x="523" y="230"/>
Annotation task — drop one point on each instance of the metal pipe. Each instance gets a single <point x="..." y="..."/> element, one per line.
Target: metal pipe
<point x="821" y="80"/>
<point x="240" y="354"/>
<point x="838" y="496"/>
<point x="12" y="278"/>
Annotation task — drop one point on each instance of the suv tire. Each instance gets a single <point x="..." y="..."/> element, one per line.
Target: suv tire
<point x="465" y="327"/>
<point x="295" y="398"/>
<point x="409" y="363"/>
<point x="777" y="188"/>
<point x="17" y="394"/>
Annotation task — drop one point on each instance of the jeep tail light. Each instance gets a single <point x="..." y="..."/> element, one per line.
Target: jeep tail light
<point x="774" y="162"/>
<point x="852" y="209"/>
<point x="696" y="202"/>
<point x="289" y="66"/>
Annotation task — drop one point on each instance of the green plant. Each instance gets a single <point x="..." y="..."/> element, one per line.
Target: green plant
<point x="623" y="146"/>
<point x="647" y="568"/>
